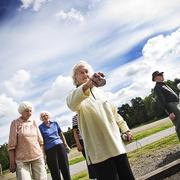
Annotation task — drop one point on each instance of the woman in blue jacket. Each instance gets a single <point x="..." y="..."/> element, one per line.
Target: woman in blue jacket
<point x="55" y="147"/>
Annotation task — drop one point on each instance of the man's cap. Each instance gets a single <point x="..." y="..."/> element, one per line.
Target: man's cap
<point x="155" y="74"/>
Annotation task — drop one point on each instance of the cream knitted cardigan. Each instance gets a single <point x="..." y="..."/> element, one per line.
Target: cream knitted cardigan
<point x="99" y="124"/>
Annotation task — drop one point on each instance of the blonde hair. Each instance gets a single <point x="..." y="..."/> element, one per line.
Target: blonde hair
<point x="44" y="113"/>
<point x="25" y="105"/>
<point x="76" y="67"/>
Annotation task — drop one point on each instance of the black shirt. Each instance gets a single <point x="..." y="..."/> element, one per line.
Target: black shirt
<point x="165" y="95"/>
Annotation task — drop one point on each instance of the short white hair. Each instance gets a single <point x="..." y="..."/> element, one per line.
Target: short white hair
<point x="44" y="113"/>
<point x="25" y="105"/>
<point x="76" y="67"/>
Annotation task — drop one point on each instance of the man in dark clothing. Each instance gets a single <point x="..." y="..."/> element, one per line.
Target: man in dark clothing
<point x="168" y="99"/>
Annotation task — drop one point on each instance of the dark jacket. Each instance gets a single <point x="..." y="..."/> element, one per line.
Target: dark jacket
<point x="165" y="95"/>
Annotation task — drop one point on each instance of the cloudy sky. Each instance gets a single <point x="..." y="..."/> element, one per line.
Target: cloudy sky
<point x="40" y="41"/>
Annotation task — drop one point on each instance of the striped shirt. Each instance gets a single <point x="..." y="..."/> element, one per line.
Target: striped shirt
<point x="75" y="125"/>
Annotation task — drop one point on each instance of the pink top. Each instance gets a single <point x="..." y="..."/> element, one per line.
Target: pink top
<point x="25" y="138"/>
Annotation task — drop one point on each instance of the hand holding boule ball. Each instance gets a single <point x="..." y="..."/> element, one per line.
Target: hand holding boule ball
<point x="98" y="79"/>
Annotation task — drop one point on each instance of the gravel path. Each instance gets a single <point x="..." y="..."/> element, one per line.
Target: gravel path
<point x="148" y="163"/>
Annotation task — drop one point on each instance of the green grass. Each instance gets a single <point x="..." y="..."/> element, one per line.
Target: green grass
<point x="151" y="148"/>
<point x="134" y="155"/>
<point x="151" y="131"/>
<point x="80" y="176"/>
<point x="76" y="160"/>
<point x="6" y="171"/>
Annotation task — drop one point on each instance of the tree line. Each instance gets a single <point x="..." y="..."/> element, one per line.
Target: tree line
<point x="138" y="111"/>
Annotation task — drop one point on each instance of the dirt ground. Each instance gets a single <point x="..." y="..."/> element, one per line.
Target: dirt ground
<point x="149" y="163"/>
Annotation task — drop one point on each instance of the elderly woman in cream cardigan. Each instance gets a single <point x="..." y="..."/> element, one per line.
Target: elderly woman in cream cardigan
<point x="99" y="125"/>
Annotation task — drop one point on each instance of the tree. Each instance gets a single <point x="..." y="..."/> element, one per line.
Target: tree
<point x="140" y="113"/>
<point x="173" y="85"/>
<point x="126" y="112"/>
<point x="4" y="160"/>
<point x="69" y="137"/>
<point x="150" y="103"/>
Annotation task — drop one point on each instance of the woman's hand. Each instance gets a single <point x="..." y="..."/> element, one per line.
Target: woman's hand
<point x="98" y="79"/>
<point x="129" y="136"/>
<point x="12" y="163"/>
<point x="67" y="148"/>
<point x="172" y="116"/>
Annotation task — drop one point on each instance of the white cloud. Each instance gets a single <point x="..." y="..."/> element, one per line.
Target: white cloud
<point x="137" y="11"/>
<point x="162" y="53"/>
<point x="72" y="15"/>
<point x="8" y="109"/>
<point x="103" y="37"/>
<point x="129" y="81"/>
<point x="34" y="4"/>
<point x="60" y="88"/>
<point x="4" y="129"/>
<point x="18" y="86"/>
<point x="8" y="112"/>
<point x="65" y="121"/>
<point x="161" y="47"/>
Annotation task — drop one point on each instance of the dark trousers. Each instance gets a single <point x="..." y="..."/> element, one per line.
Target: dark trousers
<point x="115" y="168"/>
<point x="90" y="167"/>
<point x="57" y="161"/>
<point x="175" y="108"/>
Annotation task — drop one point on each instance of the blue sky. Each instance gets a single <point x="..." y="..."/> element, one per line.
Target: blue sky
<point x="40" y="41"/>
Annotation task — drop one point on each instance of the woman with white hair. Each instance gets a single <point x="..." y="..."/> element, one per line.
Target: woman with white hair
<point x="99" y="124"/>
<point x="25" y="146"/>
<point x="55" y="146"/>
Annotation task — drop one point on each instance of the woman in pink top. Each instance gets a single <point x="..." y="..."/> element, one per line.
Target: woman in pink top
<point x="24" y="146"/>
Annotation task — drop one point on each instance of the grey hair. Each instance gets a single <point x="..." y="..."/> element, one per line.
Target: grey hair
<point x="25" y="105"/>
<point x="44" y="113"/>
<point x="76" y="67"/>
